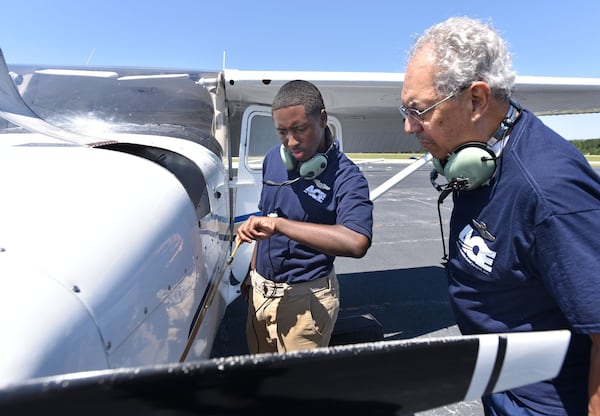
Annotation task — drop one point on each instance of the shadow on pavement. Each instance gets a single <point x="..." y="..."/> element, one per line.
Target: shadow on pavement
<point x="392" y="304"/>
<point x="407" y="302"/>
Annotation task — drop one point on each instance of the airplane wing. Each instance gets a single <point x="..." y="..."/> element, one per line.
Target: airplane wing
<point x="370" y="93"/>
<point x="366" y="105"/>
<point x="558" y="95"/>
<point x="385" y="378"/>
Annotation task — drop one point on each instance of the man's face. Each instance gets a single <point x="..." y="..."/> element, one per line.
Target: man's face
<point x="301" y="134"/>
<point x="446" y="125"/>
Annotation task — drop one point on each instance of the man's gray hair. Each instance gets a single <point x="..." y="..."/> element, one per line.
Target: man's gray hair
<point x="467" y="50"/>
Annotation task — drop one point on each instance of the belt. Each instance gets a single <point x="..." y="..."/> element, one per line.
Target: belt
<point x="271" y="289"/>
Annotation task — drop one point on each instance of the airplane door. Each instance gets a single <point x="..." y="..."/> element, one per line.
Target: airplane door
<point x="257" y="136"/>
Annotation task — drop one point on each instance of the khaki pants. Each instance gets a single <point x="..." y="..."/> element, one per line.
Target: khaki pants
<point x="285" y="317"/>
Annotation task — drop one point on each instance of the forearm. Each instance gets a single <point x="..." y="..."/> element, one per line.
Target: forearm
<point x="334" y="240"/>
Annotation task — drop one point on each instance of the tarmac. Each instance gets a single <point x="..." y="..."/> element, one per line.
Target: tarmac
<point x="400" y="283"/>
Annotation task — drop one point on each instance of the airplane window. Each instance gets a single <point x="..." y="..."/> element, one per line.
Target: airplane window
<point x="262" y="138"/>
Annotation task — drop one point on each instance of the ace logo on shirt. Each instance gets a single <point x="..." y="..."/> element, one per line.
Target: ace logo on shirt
<point x="474" y="249"/>
<point x="315" y="193"/>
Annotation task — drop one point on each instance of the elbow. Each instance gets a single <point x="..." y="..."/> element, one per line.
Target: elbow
<point x="359" y="254"/>
<point x="361" y="247"/>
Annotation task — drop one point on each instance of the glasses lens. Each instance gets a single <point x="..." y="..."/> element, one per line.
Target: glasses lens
<point x="410" y="112"/>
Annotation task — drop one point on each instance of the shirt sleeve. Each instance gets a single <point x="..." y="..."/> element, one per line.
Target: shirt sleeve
<point x="568" y="250"/>
<point x="355" y="209"/>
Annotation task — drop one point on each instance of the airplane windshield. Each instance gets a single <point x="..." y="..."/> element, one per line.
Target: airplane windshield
<point x="101" y="102"/>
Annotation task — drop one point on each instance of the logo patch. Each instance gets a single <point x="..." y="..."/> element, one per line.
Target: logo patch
<point x="475" y="250"/>
<point x="315" y="193"/>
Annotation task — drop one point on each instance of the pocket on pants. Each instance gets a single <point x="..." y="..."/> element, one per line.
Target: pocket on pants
<point x="324" y="308"/>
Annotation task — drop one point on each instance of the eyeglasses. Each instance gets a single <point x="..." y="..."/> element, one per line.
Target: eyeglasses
<point x="418" y="114"/>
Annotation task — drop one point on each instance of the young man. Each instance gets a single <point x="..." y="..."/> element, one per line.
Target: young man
<point x="315" y="206"/>
<point x="523" y="244"/>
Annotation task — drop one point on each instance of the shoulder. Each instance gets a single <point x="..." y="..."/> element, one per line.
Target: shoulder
<point x="344" y="163"/>
<point x="550" y="167"/>
<point x="539" y="149"/>
<point x="348" y="177"/>
<point x="273" y="154"/>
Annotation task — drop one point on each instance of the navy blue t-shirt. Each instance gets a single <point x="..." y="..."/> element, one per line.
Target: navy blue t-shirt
<point x="340" y="195"/>
<point x="539" y="270"/>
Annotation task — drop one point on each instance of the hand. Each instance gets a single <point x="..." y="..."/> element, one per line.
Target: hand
<point x="257" y="228"/>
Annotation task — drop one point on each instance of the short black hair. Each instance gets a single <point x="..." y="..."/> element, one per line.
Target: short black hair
<point x="299" y="92"/>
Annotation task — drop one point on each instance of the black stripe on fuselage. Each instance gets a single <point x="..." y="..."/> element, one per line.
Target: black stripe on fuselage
<point x="500" y="355"/>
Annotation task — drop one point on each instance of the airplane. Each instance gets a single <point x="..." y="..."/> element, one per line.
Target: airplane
<point x="121" y="192"/>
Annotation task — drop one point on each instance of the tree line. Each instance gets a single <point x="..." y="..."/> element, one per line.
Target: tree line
<point x="588" y="147"/>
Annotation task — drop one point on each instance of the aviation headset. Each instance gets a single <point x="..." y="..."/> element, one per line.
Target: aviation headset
<point x="312" y="167"/>
<point x="473" y="164"/>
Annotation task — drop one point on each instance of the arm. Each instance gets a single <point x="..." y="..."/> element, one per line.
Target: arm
<point x="333" y="240"/>
<point x="594" y="380"/>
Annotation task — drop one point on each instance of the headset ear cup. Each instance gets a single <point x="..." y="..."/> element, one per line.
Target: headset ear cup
<point x="313" y="167"/>
<point x="309" y="169"/>
<point x="287" y="159"/>
<point x="438" y="165"/>
<point x="473" y="162"/>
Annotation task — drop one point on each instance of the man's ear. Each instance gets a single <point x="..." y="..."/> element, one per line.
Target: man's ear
<point x="323" y="116"/>
<point x="480" y="93"/>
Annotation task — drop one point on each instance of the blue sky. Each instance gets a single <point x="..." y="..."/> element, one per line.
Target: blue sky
<point x="546" y="37"/>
